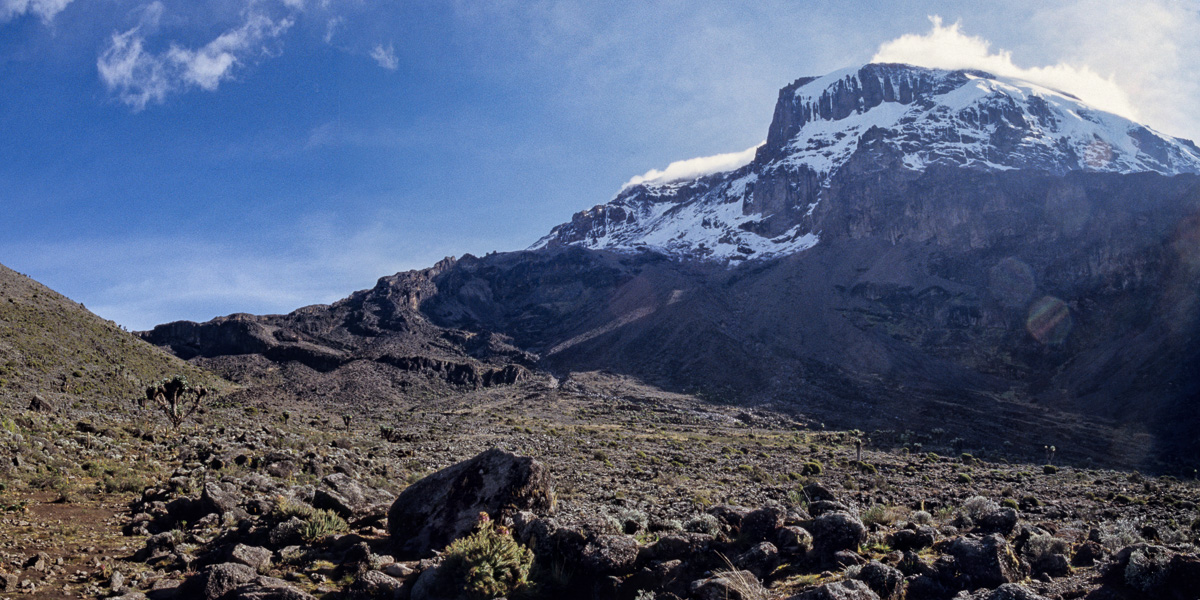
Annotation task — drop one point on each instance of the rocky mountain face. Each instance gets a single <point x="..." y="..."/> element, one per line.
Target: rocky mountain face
<point x="861" y="121"/>
<point x="910" y="250"/>
<point x="373" y="344"/>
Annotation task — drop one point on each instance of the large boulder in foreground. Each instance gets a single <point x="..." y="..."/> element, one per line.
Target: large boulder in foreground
<point x="445" y="506"/>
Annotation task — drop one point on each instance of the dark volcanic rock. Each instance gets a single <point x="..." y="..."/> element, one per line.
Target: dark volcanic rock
<point x="347" y="497"/>
<point x="837" y="531"/>
<point x="886" y="582"/>
<point x="445" y="505"/>
<point x="850" y="589"/>
<point x="984" y="562"/>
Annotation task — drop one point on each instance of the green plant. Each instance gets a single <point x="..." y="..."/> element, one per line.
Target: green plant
<point x="176" y="397"/>
<point x="1010" y="503"/>
<point x="488" y="563"/>
<point x="286" y="508"/>
<point x="1049" y="469"/>
<point x="964" y="479"/>
<point x="812" y="467"/>
<point x="322" y="523"/>
<point x="883" y="515"/>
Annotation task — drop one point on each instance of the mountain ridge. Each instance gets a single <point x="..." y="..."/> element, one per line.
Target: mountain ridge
<point x="900" y="117"/>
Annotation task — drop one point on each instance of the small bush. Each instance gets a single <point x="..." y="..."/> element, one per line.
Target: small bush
<point x="921" y="517"/>
<point x="978" y="507"/>
<point x="322" y="523"/>
<point x="883" y="515"/>
<point x="1049" y="469"/>
<point x="489" y="563"/>
<point x="286" y="508"/>
<point x="1041" y="546"/>
<point x="964" y="479"/>
<point x="703" y="523"/>
<point x="1010" y="503"/>
<point x="812" y="467"/>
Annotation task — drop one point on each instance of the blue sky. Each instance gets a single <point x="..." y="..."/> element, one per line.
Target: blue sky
<point x="170" y="160"/>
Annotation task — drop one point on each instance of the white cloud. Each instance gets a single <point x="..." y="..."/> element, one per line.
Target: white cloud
<point x="1150" y="46"/>
<point x="140" y="77"/>
<point x="386" y="57"/>
<point x="46" y="9"/>
<point x="693" y="168"/>
<point x="947" y="47"/>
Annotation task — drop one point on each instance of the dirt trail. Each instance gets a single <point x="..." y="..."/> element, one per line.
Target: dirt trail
<point x="54" y="550"/>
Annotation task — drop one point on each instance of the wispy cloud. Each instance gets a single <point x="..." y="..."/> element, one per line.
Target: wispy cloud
<point x="692" y="168"/>
<point x="386" y="57"/>
<point x="138" y="76"/>
<point x="46" y="9"/>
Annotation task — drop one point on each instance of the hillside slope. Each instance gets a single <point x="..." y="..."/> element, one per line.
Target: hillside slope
<point x="52" y="346"/>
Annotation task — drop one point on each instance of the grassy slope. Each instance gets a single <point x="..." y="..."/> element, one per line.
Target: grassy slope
<point x="52" y="346"/>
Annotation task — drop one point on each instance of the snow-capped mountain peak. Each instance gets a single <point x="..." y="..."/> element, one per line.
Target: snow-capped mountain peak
<point x="886" y="116"/>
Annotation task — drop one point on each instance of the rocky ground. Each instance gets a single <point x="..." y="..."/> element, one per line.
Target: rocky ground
<point x="652" y="494"/>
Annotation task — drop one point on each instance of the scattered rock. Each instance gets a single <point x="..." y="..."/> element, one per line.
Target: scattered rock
<point x="374" y="584"/>
<point x="1008" y="591"/>
<point x="254" y="557"/>
<point x="849" y="589"/>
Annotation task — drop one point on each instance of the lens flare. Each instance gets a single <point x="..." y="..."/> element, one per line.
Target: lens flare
<point x="1098" y="155"/>
<point x="1049" y="320"/>
<point x="1011" y="282"/>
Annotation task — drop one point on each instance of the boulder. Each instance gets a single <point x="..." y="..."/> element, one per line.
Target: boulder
<point x="445" y="505"/>
<point x="793" y="541"/>
<point x="348" y="498"/>
<point x="815" y="492"/>
<point x="679" y="546"/>
<point x="913" y="539"/>
<point x="886" y="582"/>
<point x="822" y="507"/>
<point x="41" y="404"/>
<point x="761" y="559"/>
<point x="1008" y="591"/>
<point x="374" y="584"/>
<point x="218" y="498"/>
<point x="849" y="589"/>
<point x="609" y="555"/>
<point x="984" y="562"/>
<point x="760" y="525"/>
<point x="1002" y="521"/>
<point x="255" y="557"/>
<point x="267" y="588"/>
<point x="1088" y="554"/>
<point x="728" y="585"/>
<point x="837" y="531"/>
<point x="219" y="580"/>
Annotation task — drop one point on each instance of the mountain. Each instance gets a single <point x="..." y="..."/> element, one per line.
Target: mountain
<point x="859" y="122"/>
<point x="374" y="344"/>
<point x="917" y="252"/>
<point x="54" y="347"/>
